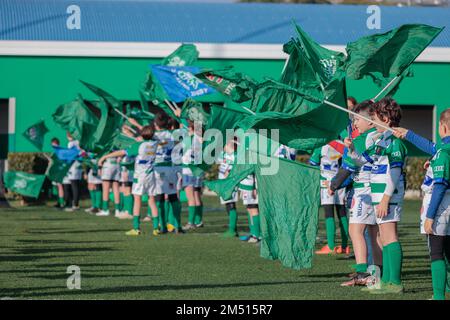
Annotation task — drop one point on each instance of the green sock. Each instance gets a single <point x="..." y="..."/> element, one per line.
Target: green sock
<point x="361" y="267"/>
<point x="162" y="215"/>
<point x="256" y="226"/>
<point x="176" y="213"/>
<point x="92" y="194"/>
<point x="191" y="214"/>
<point x="386" y="276"/>
<point x="169" y="212"/>
<point x="331" y="231"/>
<point x="61" y="201"/>
<point x="98" y="199"/>
<point x="395" y="262"/>
<point x="117" y="206"/>
<point x="128" y="204"/>
<point x="250" y="223"/>
<point x="198" y="214"/>
<point x="439" y="279"/>
<point x="149" y="211"/>
<point x="155" y="221"/>
<point x="136" y="222"/>
<point x="233" y="217"/>
<point x="105" y="205"/>
<point x="343" y="226"/>
<point x="122" y="201"/>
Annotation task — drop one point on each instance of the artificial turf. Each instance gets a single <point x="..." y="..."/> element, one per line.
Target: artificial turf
<point x="38" y="244"/>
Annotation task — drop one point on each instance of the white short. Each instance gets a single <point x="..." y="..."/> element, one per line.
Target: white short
<point x="394" y="214"/>
<point x="337" y="198"/>
<point x="144" y="184"/>
<point x="125" y="175"/>
<point x="166" y="180"/>
<point x="234" y="198"/>
<point x="93" y="179"/>
<point x="111" y="172"/>
<point x="178" y="171"/>
<point x="441" y="220"/>
<point x="75" y="171"/>
<point x="361" y="210"/>
<point x="248" y="197"/>
<point x="192" y="181"/>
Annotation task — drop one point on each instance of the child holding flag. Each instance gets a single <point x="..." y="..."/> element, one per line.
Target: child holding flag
<point x="249" y="195"/>
<point x="126" y="182"/>
<point x="94" y="187"/>
<point x="166" y="177"/>
<point x="387" y="184"/>
<point x="144" y="153"/>
<point x="192" y="148"/>
<point x="71" y="182"/>
<point x="328" y="158"/>
<point x="110" y="174"/>
<point x="362" y="214"/>
<point x="226" y="160"/>
<point x="435" y="211"/>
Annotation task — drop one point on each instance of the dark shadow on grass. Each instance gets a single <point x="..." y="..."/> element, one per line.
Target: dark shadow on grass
<point x="29" y="257"/>
<point x="131" y="289"/>
<point x="62" y="242"/>
<point x="64" y="250"/>
<point x="45" y="231"/>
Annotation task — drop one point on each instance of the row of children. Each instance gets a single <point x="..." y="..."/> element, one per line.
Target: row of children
<point x="371" y="171"/>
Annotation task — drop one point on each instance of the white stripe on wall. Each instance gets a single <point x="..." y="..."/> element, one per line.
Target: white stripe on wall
<point x="11" y="115"/>
<point x="162" y="49"/>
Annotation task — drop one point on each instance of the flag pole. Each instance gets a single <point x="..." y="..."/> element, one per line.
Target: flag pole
<point x="356" y="115"/>
<point x="124" y="116"/>
<point x="385" y="88"/>
<point x="247" y="109"/>
<point x="169" y="105"/>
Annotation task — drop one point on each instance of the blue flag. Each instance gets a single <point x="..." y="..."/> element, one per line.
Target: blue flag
<point x="180" y="83"/>
<point x="66" y="154"/>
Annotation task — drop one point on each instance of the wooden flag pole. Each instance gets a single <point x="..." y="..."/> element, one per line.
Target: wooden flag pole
<point x="357" y="115"/>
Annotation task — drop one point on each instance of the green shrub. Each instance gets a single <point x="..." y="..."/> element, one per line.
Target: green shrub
<point x="415" y="172"/>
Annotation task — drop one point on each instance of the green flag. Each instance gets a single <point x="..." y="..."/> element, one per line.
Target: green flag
<point x="36" y="133"/>
<point x="325" y="63"/>
<point x="184" y="55"/>
<point x="235" y="85"/>
<point x="311" y="126"/>
<point x="388" y="54"/>
<point x="288" y="202"/>
<point x="76" y="118"/>
<point x="26" y="184"/>
<point x="194" y="111"/>
<point x="58" y="169"/>
<point x="108" y="126"/>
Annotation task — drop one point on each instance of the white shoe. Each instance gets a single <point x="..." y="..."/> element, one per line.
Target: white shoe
<point x="103" y="213"/>
<point x="69" y="209"/>
<point x="124" y="216"/>
<point x="117" y="213"/>
<point x="89" y="210"/>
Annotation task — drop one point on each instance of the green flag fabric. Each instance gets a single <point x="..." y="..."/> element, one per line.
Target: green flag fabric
<point x="289" y="203"/>
<point x="288" y="200"/>
<point x="58" y="169"/>
<point x="311" y="126"/>
<point x="390" y="53"/>
<point x="325" y="63"/>
<point x="235" y="85"/>
<point x="194" y="111"/>
<point x="36" y="133"/>
<point x="184" y="55"/>
<point x="26" y="184"/>
<point x="76" y="118"/>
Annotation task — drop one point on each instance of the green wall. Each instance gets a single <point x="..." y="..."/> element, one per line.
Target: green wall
<point x="40" y="84"/>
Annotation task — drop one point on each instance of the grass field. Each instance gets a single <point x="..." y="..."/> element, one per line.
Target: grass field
<point x="39" y="243"/>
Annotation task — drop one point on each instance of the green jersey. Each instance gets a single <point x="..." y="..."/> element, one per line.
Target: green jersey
<point x="387" y="153"/>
